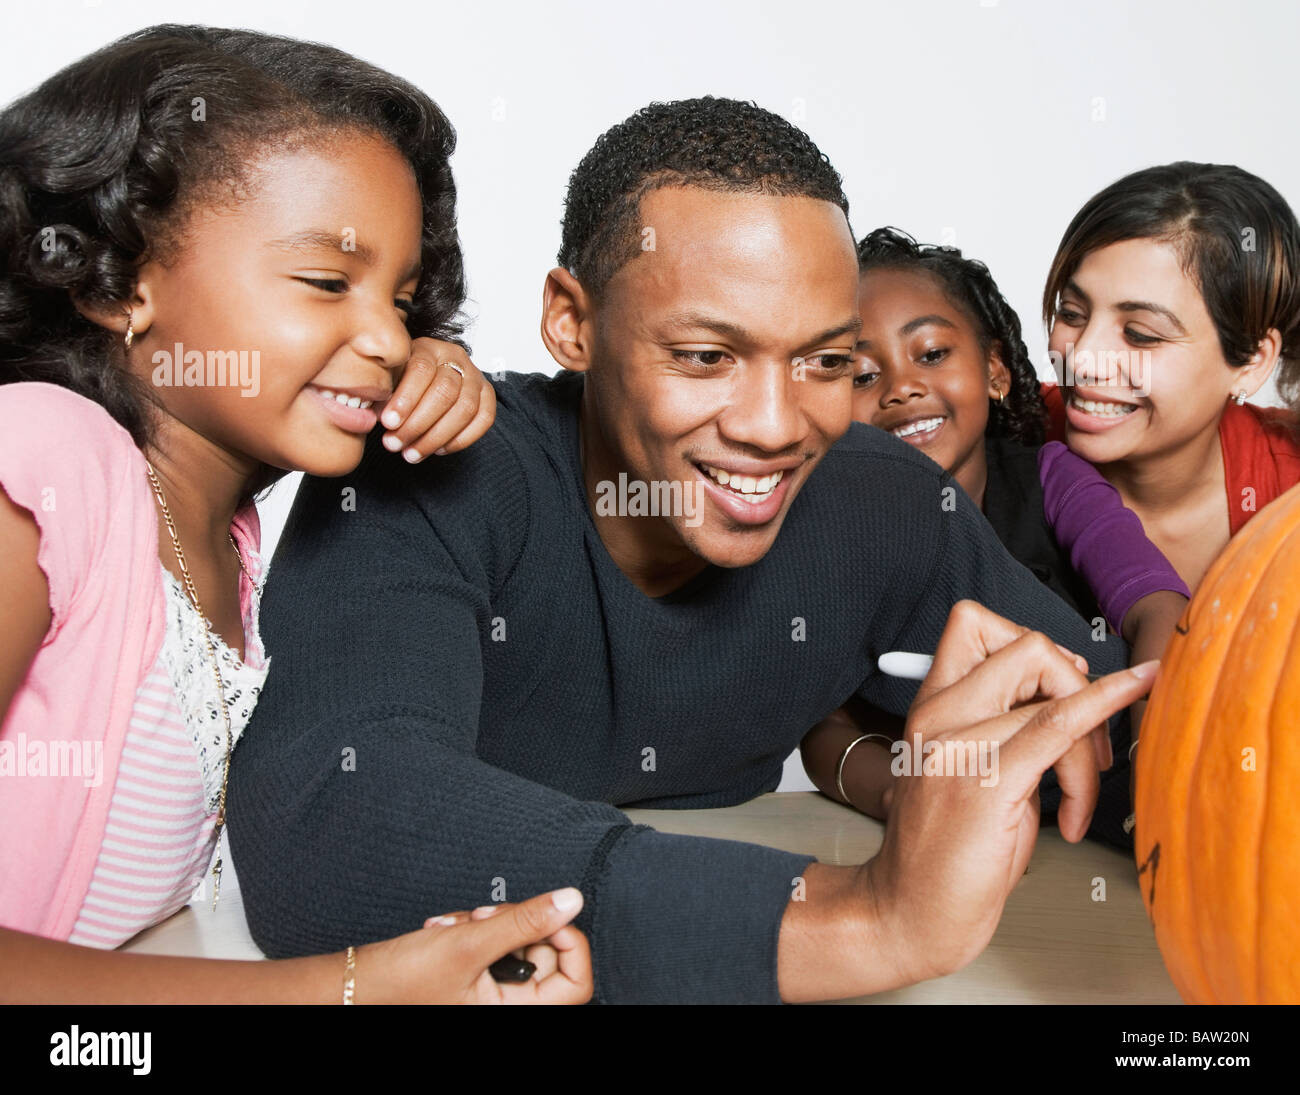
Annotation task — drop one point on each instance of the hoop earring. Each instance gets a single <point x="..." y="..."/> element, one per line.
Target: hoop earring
<point x="130" y="332"/>
<point x="1001" y="398"/>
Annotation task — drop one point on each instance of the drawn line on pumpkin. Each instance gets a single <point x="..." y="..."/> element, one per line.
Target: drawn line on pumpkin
<point x="1152" y="861"/>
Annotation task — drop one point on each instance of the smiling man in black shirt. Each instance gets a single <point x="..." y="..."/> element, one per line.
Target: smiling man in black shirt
<point x="512" y="642"/>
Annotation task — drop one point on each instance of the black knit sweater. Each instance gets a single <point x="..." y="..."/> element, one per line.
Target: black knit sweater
<point x="464" y="687"/>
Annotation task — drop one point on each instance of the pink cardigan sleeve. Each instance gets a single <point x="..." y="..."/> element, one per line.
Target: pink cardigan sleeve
<point x="78" y="473"/>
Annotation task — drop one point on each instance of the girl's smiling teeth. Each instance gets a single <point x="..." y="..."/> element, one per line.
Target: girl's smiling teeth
<point x="351" y="411"/>
<point x="751" y="488"/>
<point x="920" y="430"/>
<point x="343" y="397"/>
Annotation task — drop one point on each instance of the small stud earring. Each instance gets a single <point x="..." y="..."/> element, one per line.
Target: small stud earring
<point x="130" y="332"/>
<point x="1239" y="398"/>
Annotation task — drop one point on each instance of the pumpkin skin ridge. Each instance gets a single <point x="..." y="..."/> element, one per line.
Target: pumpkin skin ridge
<point x="1280" y="548"/>
<point x="1173" y="703"/>
<point x="1279" y="980"/>
<point x="1259" y="653"/>
<point x="1192" y="918"/>
<point x="1190" y="718"/>
<point x="1250" y="589"/>
<point x="1173" y="859"/>
<point x="1205" y="835"/>
<point x="1177" y="701"/>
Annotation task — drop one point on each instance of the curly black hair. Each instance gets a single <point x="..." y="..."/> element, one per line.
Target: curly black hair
<point x="711" y="143"/>
<point x="1021" y="415"/>
<point x="102" y="163"/>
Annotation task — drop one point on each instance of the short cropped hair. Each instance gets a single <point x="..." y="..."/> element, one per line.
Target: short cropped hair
<point x="712" y="143"/>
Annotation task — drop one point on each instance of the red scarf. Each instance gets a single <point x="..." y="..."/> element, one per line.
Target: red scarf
<point x="1261" y="453"/>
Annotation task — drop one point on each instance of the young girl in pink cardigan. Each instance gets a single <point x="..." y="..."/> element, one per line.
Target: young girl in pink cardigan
<point x="218" y="248"/>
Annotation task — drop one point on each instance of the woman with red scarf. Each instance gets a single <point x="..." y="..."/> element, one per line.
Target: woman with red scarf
<point x="1174" y="295"/>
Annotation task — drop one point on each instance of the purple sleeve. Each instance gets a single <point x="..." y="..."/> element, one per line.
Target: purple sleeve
<point x="1104" y="538"/>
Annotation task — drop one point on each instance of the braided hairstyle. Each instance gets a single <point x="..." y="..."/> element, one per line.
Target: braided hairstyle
<point x="1021" y="415"/>
<point x="102" y="164"/>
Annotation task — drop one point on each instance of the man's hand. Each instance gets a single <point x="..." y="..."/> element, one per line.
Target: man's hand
<point x="441" y="405"/>
<point x="956" y="845"/>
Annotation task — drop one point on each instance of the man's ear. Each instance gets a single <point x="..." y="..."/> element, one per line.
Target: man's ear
<point x="999" y="374"/>
<point x="567" y="320"/>
<point x="1252" y="376"/>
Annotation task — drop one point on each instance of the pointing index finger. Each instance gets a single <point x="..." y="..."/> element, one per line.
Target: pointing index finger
<point x="1057" y="726"/>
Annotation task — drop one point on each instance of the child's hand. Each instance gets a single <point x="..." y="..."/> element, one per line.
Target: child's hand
<point x="447" y="961"/>
<point x="442" y="403"/>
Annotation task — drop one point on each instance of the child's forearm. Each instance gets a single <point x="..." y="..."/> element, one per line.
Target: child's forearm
<point x="866" y="774"/>
<point x="1148" y="627"/>
<point x="45" y="971"/>
<point x="1149" y="624"/>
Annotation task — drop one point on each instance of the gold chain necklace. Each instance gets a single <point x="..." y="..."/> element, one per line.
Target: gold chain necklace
<point x="212" y="654"/>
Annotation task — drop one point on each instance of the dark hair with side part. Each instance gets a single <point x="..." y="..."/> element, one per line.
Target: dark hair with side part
<point x="102" y="164"/>
<point x="1236" y="238"/>
<point x="1021" y="415"/>
<point x="711" y="143"/>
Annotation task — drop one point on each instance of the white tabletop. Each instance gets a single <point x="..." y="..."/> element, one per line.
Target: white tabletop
<point x="1056" y="943"/>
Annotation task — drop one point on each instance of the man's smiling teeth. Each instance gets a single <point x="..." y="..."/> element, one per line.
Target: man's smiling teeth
<point x="756" y="488"/>
<point x="1102" y="410"/>
<point x="345" y="399"/>
<point x="925" y="425"/>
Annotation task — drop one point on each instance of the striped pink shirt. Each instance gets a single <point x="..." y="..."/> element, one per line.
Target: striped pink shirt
<point x="111" y="751"/>
<point x="160" y="835"/>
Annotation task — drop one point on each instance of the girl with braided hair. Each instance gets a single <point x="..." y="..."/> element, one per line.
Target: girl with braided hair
<point x="942" y="365"/>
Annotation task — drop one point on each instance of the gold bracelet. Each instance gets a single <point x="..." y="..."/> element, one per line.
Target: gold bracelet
<point x="350" y="976"/>
<point x="839" y="768"/>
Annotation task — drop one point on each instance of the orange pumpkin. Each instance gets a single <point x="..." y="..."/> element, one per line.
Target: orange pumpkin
<point x="1218" y="782"/>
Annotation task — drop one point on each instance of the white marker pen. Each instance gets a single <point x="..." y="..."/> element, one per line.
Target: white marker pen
<point x="914" y="667"/>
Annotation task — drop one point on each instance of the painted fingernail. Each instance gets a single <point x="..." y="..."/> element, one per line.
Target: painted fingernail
<point x="391" y="419"/>
<point x="566" y="900"/>
<point x="440" y="452"/>
<point x="411" y="456"/>
<point x="1146" y="671"/>
<point x="392" y="443"/>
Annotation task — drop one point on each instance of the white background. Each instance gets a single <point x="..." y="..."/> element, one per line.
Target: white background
<point x="983" y="123"/>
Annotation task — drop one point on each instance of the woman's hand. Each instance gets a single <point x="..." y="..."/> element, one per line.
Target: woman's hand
<point x="447" y="961"/>
<point x="441" y="404"/>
